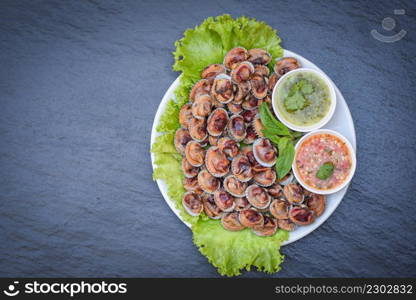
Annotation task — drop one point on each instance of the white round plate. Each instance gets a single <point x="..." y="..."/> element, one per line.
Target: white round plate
<point x="341" y="122"/>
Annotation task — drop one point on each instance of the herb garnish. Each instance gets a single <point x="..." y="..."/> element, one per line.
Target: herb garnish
<point x="286" y="156"/>
<point x="296" y="99"/>
<point x="271" y="125"/>
<point x="325" y="171"/>
<point x="282" y="137"/>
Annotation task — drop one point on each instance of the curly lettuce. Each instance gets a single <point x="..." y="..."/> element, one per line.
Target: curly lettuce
<point x="209" y="42"/>
<point x="229" y="252"/>
<point x="168" y="160"/>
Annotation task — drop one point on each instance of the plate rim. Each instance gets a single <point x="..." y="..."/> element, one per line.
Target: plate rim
<point x="162" y="185"/>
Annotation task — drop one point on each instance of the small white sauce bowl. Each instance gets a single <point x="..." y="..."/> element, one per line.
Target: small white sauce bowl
<point x="353" y="162"/>
<point x="332" y="98"/>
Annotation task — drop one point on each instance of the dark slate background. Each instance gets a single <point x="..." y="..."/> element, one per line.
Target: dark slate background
<point x="80" y="82"/>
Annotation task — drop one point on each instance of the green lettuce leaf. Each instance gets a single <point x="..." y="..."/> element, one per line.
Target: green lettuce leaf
<point x="169" y="169"/>
<point x="164" y="144"/>
<point x="201" y="46"/>
<point x="231" y="252"/>
<point x="209" y="42"/>
<point x="197" y="49"/>
<point x="169" y="121"/>
<point x="182" y="91"/>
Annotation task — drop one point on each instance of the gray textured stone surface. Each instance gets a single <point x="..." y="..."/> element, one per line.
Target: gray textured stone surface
<point x="80" y="82"/>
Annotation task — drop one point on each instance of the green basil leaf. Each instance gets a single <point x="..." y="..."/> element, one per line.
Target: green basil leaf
<point x="283" y="142"/>
<point x="273" y="138"/>
<point x="274" y="126"/>
<point x="296" y="134"/>
<point x="285" y="158"/>
<point x="325" y="171"/>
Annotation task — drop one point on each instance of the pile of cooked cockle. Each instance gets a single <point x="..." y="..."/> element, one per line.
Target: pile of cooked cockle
<point x="232" y="182"/>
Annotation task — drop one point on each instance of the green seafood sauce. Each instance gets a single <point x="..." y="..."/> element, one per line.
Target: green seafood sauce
<point x="303" y="98"/>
